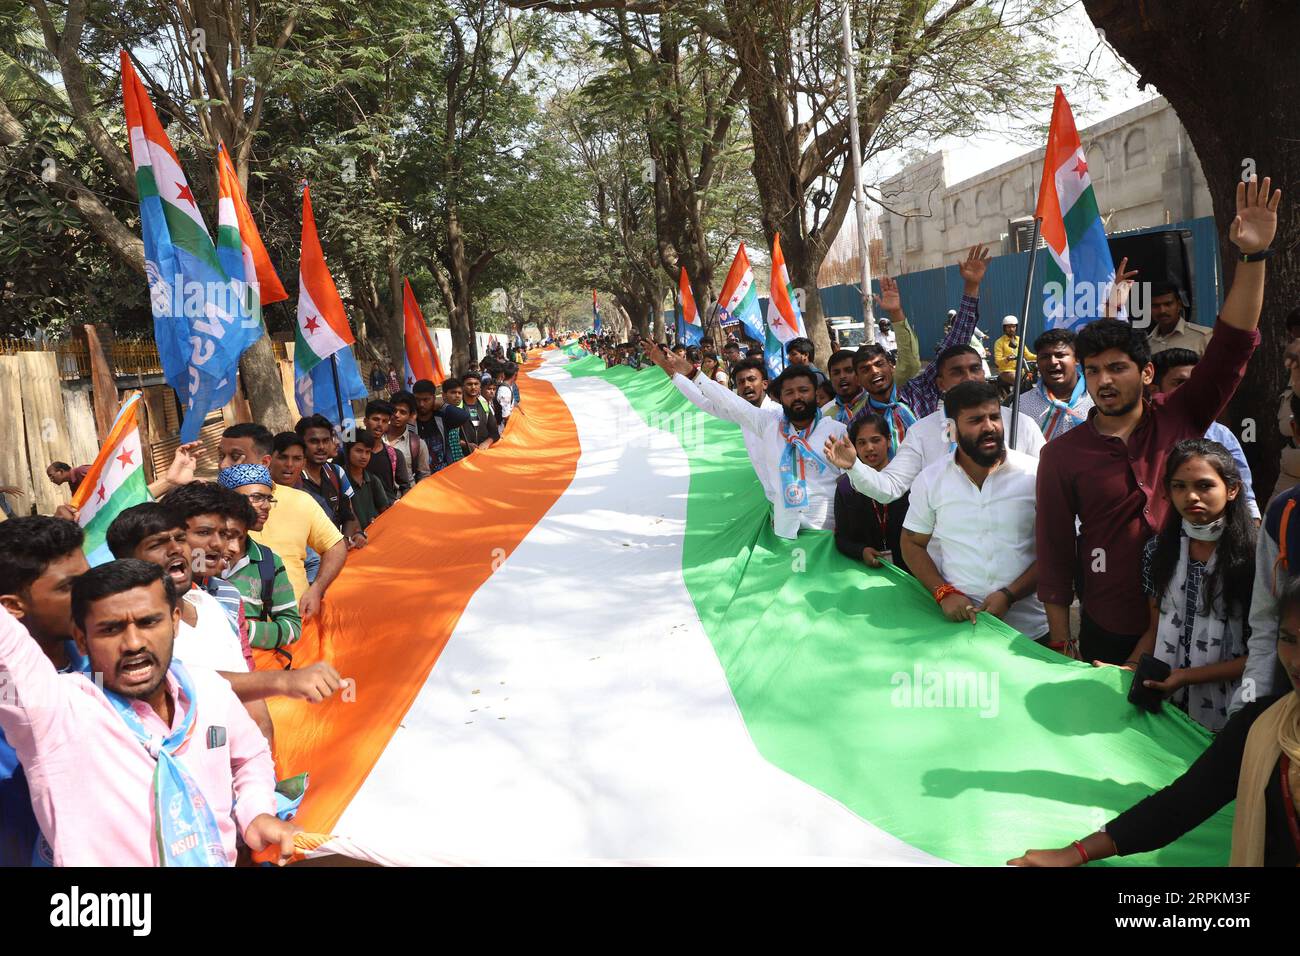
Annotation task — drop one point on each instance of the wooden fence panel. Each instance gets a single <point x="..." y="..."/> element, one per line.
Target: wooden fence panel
<point x="82" y="427"/>
<point x="46" y="425"/>
<point x="14" y="469"/>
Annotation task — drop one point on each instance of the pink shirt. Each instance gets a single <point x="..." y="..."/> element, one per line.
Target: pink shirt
<point x="91" y="780"/>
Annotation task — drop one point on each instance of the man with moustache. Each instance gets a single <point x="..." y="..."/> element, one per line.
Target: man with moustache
<point x="40" y="557"/>
<point x="784" y="446"/>
<point x="1060" y="400"/>
<point x="969" y="531"/>
<point x="160" y="766"/>
<point x="1108" y="474"/>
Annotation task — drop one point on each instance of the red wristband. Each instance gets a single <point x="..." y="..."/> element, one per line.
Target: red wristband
<point x="1078" y="845"/>
<point x="944" y="590"/>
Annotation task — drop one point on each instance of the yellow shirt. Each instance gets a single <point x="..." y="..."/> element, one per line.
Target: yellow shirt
<point x="1004" y="354"/>
<point x="296" y="523"/>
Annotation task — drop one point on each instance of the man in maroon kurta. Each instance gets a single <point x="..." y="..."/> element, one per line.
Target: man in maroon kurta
<point x="1109" y="472"/>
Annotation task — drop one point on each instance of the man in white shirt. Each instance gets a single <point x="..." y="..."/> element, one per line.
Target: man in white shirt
<point x="784" y="442"/>
<point x="969" y="531"/>
<point x="931" y="439"/>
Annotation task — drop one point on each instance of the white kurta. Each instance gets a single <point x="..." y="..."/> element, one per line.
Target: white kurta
<point x="761" y="428"/>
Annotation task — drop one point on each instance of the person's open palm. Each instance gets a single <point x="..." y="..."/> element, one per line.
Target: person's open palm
<point x="1256" y="222"/>
<point x="976" y="263"/>
<point x="839" y="452"/>
<point x="889" y="299"/>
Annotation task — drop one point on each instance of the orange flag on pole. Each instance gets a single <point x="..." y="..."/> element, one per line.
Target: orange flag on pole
<point x="422" y="359"/>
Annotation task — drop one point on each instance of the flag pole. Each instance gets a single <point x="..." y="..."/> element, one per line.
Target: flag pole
<point x="1024" y="331"/>
<point x="859" y="197"/>
<point x="338" y="392"/>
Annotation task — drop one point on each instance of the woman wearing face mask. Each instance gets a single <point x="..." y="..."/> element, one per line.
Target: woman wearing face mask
<point x="1198" y="574"/>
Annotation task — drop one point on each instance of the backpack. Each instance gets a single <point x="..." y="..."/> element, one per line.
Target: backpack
<point x="1279" y="526"/>
<point x="266" y="574"/>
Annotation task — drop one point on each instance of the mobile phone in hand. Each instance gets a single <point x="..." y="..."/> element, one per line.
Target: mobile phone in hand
<point x="1149" y="668"/>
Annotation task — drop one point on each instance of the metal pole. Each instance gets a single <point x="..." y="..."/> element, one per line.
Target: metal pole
<point x="859" y="195"/>
<point x="1024" y="332"/>
<point x="338" y="392"/>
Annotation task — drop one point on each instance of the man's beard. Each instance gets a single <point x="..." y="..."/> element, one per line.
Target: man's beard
<point x="798" y="410"/>
<point x="977" y="454"/>
<point x="1122" y="410"/>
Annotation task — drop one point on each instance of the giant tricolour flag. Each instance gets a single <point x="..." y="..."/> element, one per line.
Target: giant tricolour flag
<point x="200" y="317"/>
<point x="784" y="320"/>
<point x="746" y="713"/>
<point x="689" y="329"/>
<point x="422" y="359"/>
<point x="114" y="483"/>
<point x="240" y="244"/>
<point x="325" y="372"/>
<point x="1079" y="269"/>
<point x="738" y="301"/>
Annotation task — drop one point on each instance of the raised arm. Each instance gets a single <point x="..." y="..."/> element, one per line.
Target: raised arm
<point x="921" y="390"/>
<point x="35" y="713"/>
<point x="1252" y="232"/>
<point x="909" y="356"/>
<point x="716" y="399"/>
<point x="1217" y="375"/>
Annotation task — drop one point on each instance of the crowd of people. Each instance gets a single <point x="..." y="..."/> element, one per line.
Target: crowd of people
<point x="133" y="721"/>
<point x="1110" y="489"/>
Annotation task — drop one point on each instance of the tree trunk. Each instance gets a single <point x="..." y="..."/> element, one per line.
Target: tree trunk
<point x="1236" y="90"/>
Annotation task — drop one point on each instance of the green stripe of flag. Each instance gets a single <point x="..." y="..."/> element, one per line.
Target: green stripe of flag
<point x="1082" y="214"/>
<point x="190" y="236"/>
<point x="822" y="655"/>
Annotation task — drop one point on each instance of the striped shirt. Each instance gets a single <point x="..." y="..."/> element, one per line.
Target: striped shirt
<point x="282" y="624"/>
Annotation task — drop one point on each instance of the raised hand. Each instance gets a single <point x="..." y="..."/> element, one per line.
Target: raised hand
<point x="186" y="459"/>
<point x="1256" y="222"/>
<point x="973" y="267"/>
<point x="839" y="452"/>
<point x="888" y="300"/>
<point x="1119" y="289"/>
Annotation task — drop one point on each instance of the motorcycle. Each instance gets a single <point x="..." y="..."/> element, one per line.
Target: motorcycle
<point x="1028" y="380"/>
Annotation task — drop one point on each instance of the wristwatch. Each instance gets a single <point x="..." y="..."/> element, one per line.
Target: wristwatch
<point x="1011" y="598"/>
<point x="1257" y="256"/>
